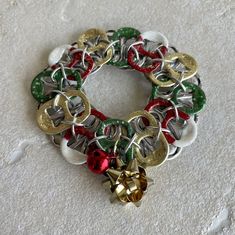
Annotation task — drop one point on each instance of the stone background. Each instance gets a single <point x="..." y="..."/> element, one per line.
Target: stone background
<point x="40" y="193"/>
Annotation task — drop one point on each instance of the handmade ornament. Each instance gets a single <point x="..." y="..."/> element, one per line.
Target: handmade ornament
<point x="120" y="149"/>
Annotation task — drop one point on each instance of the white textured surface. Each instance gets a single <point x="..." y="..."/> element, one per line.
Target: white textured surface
<point x="40" y="193"/>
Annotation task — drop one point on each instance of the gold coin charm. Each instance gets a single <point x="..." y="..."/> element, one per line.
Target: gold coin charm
<point x="158" y="155"/>
<point x="167" y="79"/>
<point x="47" y="125"/>
<point x="99" y="41"/>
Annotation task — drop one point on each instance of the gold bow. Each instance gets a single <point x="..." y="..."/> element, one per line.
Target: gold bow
<point x="128" y="182"/>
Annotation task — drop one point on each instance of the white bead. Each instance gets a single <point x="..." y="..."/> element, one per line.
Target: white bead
<point x="56" y="54"/>
<point x="156" y="37"/>
<point x="70" y="155"/>
<point x="189" y="134"/>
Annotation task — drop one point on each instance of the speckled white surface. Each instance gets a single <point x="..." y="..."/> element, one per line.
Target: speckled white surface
<point x="40" y="193"/>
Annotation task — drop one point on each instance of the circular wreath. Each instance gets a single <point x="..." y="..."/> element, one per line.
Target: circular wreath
<point x="121" y="150"/>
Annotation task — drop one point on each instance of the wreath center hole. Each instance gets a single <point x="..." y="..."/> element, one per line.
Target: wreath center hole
<point x="117" y="92"/>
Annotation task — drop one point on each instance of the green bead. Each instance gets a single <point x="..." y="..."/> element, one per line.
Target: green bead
<point x="37" y="86"/>
<point x="198" y="98"/>
<point x="127" y="33"/>
<point x="106" y="143"/>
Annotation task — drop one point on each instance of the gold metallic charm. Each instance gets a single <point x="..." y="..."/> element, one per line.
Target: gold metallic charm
<point x="158" y="155"/>
<point x="100" y="42"/>
<point x="142" y="113"/>
<point x="128" y="183"/>
<point x="187" y="61"/>
<point x="44" y="120"/>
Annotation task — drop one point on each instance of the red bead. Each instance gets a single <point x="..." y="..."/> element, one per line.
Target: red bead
<point x="98" y="161"/>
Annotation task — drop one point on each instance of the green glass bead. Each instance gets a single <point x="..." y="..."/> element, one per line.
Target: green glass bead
<point x="106" y="143"/>
<point x="37" y="86"/>
<point x="198" y="98"/>
<point x="127" y="33"/>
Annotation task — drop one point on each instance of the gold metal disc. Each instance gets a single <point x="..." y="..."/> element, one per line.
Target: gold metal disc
<point x="91" y="35"/>
<point x="188" y="61"/>
<point x="142" y="113"/>
<point x="47" y="125"/>
<point x="156" y="157"/>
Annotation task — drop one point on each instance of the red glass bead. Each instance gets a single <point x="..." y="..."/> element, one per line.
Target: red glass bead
<point x="98" y="161"/>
